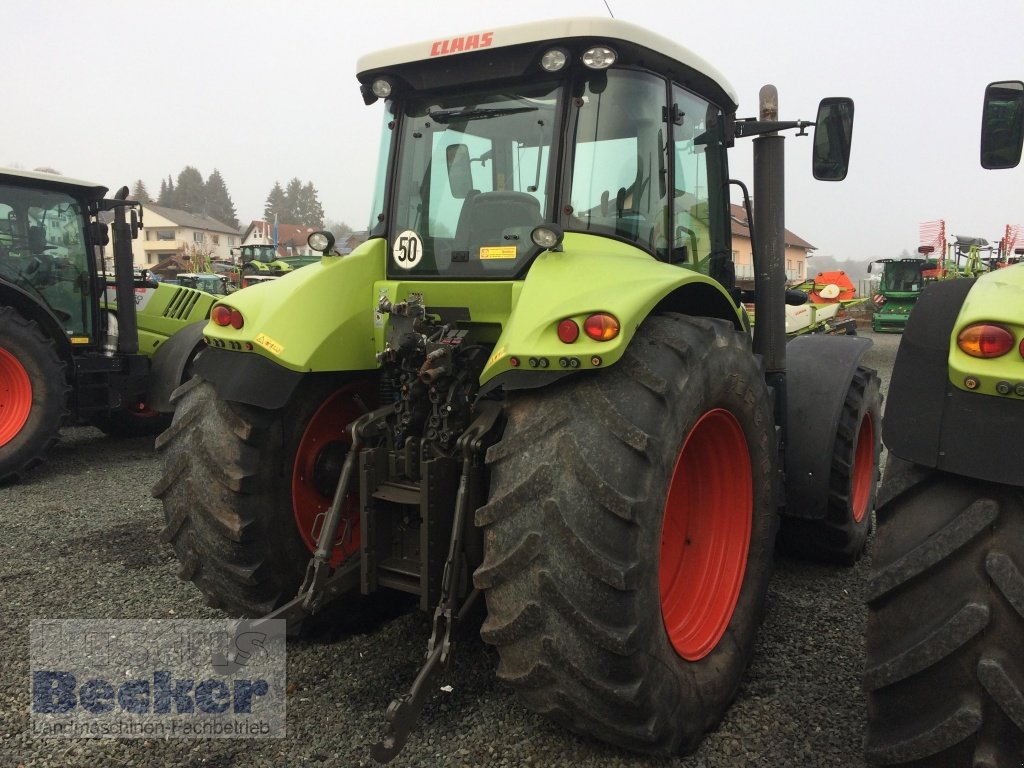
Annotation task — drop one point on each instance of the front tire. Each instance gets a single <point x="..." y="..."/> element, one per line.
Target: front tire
<point x="944" y="675"/>
<point x="611" y="495"/>
<point x="33" y="394"/>
<point x="244" y="488"/>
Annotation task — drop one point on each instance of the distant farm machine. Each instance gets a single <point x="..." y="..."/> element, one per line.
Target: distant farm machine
<point x="903" y="280"/>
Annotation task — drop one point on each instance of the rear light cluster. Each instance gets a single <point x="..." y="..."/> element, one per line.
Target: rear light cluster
<point x="223" y="315"/>
<point x="599" y="326"/>
<point x="987" y="341"/>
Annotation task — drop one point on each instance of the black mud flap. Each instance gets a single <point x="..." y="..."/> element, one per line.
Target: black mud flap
<point x="247" y="378"/>
<point x="169" y="364"/>
<point x="819" y="372"/>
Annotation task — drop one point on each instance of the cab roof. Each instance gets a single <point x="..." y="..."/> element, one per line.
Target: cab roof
<point x="557" y="31"/>
<point x="51" y="181"/>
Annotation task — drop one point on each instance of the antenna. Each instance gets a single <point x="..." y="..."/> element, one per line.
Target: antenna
<point x="609" y="9"/>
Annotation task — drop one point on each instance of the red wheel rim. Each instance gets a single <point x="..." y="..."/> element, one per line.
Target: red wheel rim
<point x="863" y="471"/>
<point x="705" y="537"/>
<point x="309" y="505"/>
<point x="15" y="396"/>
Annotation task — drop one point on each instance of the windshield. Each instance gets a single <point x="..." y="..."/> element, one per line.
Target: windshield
<point x="43" y="251"/>
<point x="640" y="160"/>
<point x="903" y="276"/>
<point x="474" y="178"/>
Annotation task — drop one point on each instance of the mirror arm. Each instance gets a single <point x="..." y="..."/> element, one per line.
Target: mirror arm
<point x="751" y="127"/>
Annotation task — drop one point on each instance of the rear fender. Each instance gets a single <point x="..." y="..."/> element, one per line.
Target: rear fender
<point x="930" y="418"/>
<point x="590" y="275"/>
<point x="315" y="319"/>
<point x="820" y="370"/>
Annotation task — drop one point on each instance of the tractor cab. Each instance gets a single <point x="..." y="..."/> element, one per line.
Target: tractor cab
<point x="46" y="253"/>
<point x="214" y="284"/>
<point x="590" y="135"/>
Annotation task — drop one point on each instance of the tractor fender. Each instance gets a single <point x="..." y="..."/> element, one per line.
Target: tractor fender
<point x="171" y="364"/>
<point x="591" y="275"/>
<point x="931" y="422"/>
<point x="30" y="307"/>
<point x="819" y="372"/>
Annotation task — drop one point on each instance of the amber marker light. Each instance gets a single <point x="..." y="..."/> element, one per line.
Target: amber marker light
<point x="985" y="340"/>
<point x="601" y="327"/>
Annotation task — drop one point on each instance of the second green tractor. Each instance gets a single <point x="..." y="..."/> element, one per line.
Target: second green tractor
<point x="536" y="384"/>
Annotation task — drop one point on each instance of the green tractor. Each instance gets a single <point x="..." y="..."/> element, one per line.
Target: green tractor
<point x="944" y="673"/>
<point x="263" y="260"/>
<point x="536" y="384"/>
<point x="78" y="345"/>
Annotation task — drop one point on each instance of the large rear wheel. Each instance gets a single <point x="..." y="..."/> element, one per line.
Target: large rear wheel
<point x="944" y="672"/>
<point x="33" y="394"/>
<point x="629" y="536"/>
<point x="245" y="489"/>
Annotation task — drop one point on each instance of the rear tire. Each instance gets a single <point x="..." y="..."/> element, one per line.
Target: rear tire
<point x="227" y="490"/>
<point x="842" y="534"/>
<point x="33" y="394"/>
<point x="586" y="560"/>
<point x="944" y="673"/>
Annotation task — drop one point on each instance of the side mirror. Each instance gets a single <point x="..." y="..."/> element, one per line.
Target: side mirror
<point x="135" y="224"/>
<point x="100" y="233"/>
<point x="1002" y="124"/>
<point x="833" y="134"/>
<point x="460" y="176"/>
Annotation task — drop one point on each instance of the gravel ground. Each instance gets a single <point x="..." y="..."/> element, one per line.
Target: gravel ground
<point x="81" y="541"/>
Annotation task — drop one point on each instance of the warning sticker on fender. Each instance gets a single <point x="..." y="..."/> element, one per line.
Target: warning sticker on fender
<point x="498" y="252"/>
<point x="268" y="343"/>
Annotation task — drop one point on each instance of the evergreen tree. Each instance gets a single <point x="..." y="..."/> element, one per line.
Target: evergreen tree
<point x="292" y="201"/>
<point x="218" y="201"/>
<point x="308" y="211"/>
<point x="140" y="193"/>
<point x="167" y="194"/>
<point x="276" y="204"/>
<point x="190" y="193"/>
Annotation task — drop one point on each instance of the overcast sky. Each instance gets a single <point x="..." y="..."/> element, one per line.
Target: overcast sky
<point x="265" y="90"/>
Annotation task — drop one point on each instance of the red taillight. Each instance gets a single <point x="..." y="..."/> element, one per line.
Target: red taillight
<point x="601" y="327"/>
<point x="224" y="316"/>
<point x="221" y="315"/>
<point x="568" y="331"/>
<point x="985" y="340"/>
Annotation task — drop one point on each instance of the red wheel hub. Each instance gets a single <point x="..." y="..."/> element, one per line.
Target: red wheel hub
<point x="310" y="498"/>
<point x="863" y="471"/>
<point x="706" y="533"/>
<point x="15" y="396"/>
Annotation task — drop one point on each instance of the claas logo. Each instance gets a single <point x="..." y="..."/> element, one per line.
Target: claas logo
<point x="464" y="43"/>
